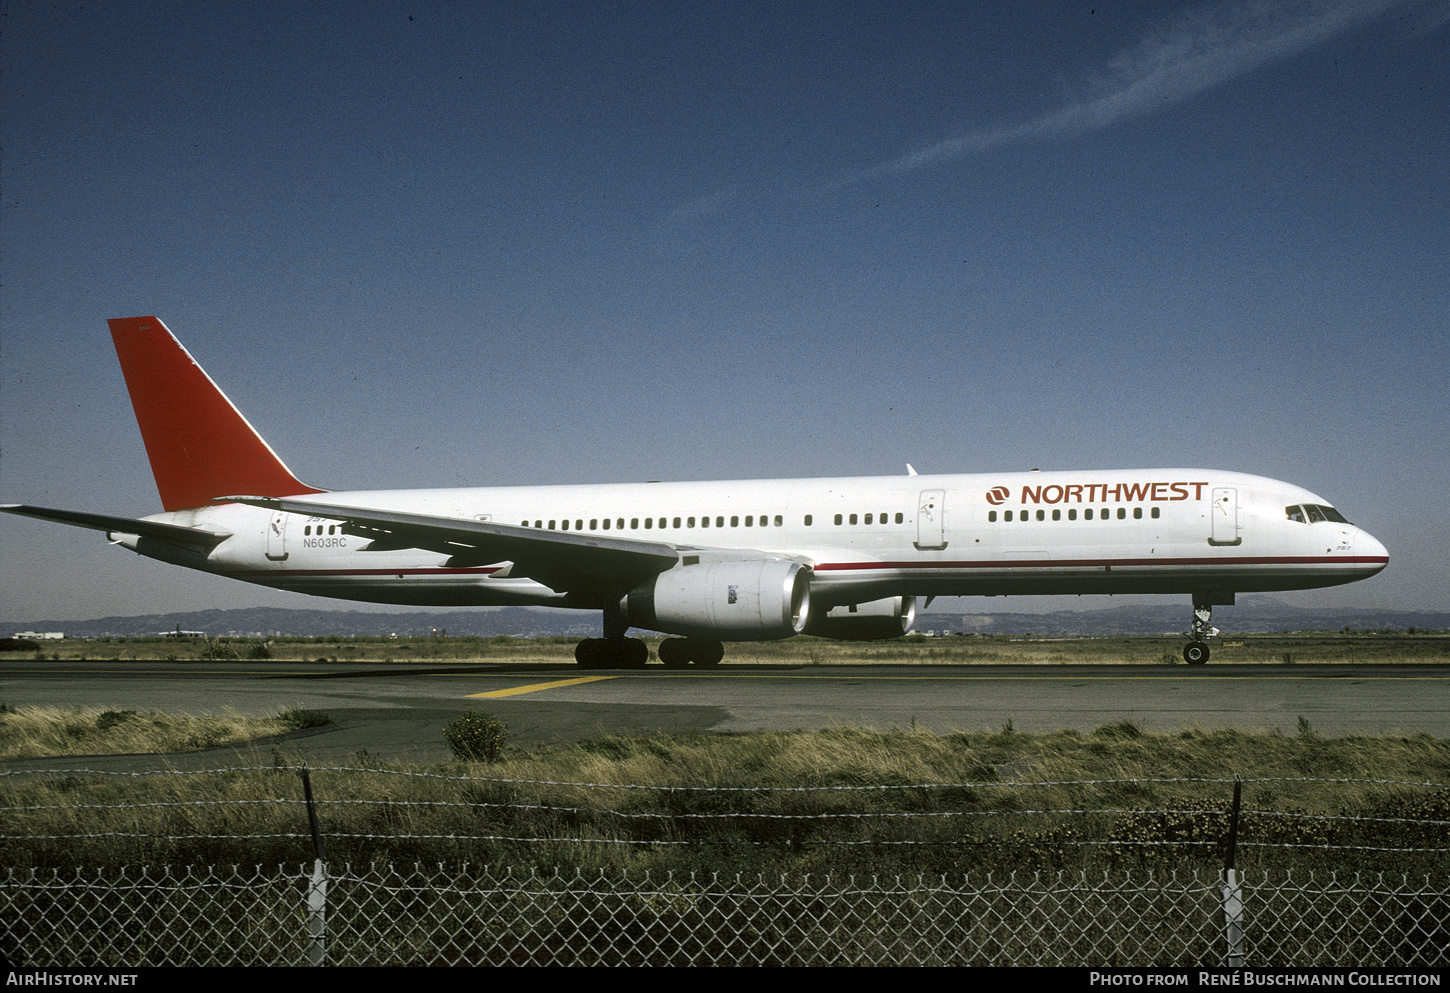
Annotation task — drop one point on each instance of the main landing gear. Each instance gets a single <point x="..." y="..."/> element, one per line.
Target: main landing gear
<point x="615" y="651"/>
<point x="1196" y="651"/>
<point x="632" y="653"/>
<point x="611" y="653"/>
<point x="676" y="653"/>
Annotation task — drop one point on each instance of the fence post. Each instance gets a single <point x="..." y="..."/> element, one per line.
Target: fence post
<point x="1233" y="893"/>
<point x="317" y="886"/>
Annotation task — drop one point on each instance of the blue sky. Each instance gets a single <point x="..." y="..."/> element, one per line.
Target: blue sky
<point x="472" y="244"/>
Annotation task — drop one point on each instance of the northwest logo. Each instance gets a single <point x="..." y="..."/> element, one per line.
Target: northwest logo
<point x="997" y="495"/>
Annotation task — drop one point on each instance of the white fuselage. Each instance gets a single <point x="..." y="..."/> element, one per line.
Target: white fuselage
<point x="863" y="538"/>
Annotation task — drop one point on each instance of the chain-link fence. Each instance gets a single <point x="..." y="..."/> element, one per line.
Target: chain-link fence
<point x="1167" y="890"/>
<point x="382" y="915"/>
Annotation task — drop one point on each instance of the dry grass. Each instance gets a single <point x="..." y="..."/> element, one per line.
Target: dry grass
<point x="1306" y="648"/>
<point x="946" y="803"/>
<point x="36" y="732"/>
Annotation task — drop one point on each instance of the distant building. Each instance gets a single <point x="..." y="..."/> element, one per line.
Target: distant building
<point x="41" y="635"/>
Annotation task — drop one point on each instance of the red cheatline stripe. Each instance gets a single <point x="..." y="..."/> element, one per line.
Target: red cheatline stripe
<point x="1080" y="563"/>
<point x="281" y="573"/>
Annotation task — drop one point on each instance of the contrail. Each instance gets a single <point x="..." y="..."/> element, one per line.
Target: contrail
<point x="1199" y="50"/>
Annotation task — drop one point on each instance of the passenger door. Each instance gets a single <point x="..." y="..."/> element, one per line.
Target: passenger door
<point x="931" y="520"/>
<point x="1225" y="515"/>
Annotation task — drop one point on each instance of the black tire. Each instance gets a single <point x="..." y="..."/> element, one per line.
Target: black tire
<point x="634" y="654"/>
<point x="587" y="654"/>
<point x="675" y="653"/>
<point x="1195" y="653"/>
<point x="706" y="653"/>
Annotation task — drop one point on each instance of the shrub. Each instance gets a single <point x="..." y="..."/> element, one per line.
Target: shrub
<point x="477" y="736"/>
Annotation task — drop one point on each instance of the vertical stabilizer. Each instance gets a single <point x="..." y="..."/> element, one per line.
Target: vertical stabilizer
<point x="200" y="445"/>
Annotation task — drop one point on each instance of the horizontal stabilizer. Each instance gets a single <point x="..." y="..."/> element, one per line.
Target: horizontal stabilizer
<point x="121" y="525"/>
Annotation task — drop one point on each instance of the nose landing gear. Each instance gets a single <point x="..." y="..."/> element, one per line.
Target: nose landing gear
<point x="1196" y="651"/>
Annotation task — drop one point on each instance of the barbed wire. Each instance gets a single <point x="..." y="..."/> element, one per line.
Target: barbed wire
<point x="979" y="784"/>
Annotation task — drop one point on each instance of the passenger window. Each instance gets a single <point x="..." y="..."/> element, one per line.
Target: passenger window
<point x="677" y="522"/>
<point x="720" y="521"/>
<point x="1087" y="514"/>
<point x="1072" y="514"/>
<point x="634" y="523"/>
<point x="838" y="518"/>
<point x="750" y="520"/>
<point x="1137" y="513"/>
<point x="619" y="524"/>
<point x="593" y="524"/>
<point x="606" y="524"/>
<point x="1122" y="513"/>
<point x="808" y="520"/>
<point x="566" y="525"/>
<point x="1007" y="515"/>
<point x="552" y="526"/>
<point x="900" y="517"/>
<point x="991" y="517"/>
<point x="1154" y="514"/>
<point x="1042" y="515"/>
<point x="1057" y="515"/>
<point x="779" y="521"/>
<point x="868" y="518"/>
<point x="691" y="521"/>
<point x="853" y="518"/>
<point x="734" y="521"/>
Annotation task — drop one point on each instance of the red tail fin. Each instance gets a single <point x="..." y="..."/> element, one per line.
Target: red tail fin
<point x="200" y="446"/>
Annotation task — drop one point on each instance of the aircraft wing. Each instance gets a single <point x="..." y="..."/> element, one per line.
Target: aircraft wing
<point x="122" y="525"/>
<point x="566" y="561"/>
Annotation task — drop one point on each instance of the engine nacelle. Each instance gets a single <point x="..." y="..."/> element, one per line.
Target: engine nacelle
<point x="726" y="600"/>
<point x="878" y="620"/>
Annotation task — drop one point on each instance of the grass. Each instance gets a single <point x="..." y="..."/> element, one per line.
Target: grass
<point x="764" y="802"/>
<point x="37" y="732"/>
<point x="1298" y="648"/>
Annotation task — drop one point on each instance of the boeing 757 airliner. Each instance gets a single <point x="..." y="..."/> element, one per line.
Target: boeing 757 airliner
<point x="709" y="562"/>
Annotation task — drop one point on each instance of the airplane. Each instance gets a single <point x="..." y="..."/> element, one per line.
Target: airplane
<point x="708" y="562"/>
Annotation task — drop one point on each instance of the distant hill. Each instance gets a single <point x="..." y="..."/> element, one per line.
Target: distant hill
<point x="1262" y="614"/>
<point x="521" y="622"/>
<point x="1256" y="616"/>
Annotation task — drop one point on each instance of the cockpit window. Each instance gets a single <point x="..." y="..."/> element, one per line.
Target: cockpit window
<point x="1313" y="513"/>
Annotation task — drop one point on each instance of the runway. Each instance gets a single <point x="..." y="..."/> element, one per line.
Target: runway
<point x="398" y="712"/>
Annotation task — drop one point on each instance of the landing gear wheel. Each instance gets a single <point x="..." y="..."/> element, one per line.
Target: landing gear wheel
<point x="589" y="653"/>
<point x="706" y="653"/>
<point x="675" y="653"/>
<point x="634" y="654"/>
<point x="1195" y="653"/>
<point x="611" y="653"/>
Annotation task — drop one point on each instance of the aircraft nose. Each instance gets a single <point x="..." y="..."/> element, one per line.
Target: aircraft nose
<point x="1370" y="552"/>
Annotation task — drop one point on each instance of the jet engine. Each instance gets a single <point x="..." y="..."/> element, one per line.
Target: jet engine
<point x="878" y="620"/>
<point x="725" y="600"/>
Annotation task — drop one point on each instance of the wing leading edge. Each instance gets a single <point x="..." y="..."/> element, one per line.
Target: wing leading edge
<point x="564" y="561"/>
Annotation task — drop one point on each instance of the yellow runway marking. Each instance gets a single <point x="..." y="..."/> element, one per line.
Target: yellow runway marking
<point x="534" y="688"/>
